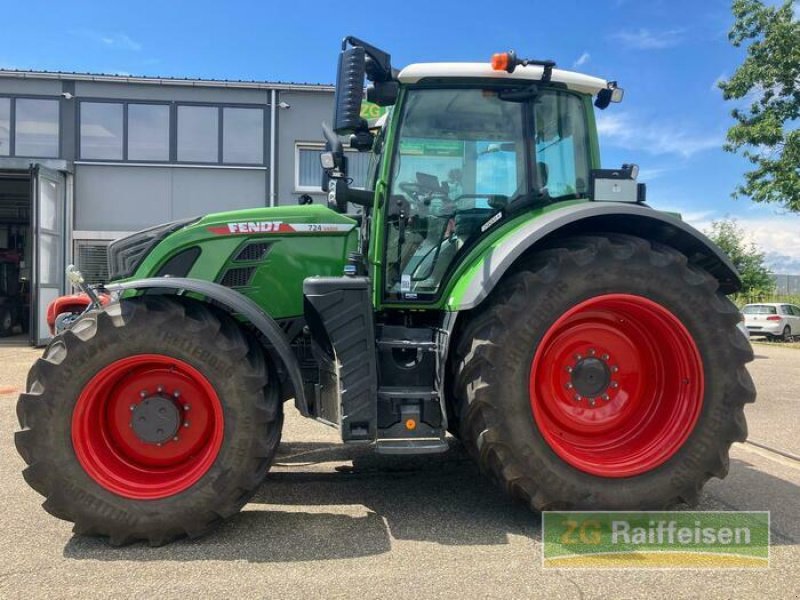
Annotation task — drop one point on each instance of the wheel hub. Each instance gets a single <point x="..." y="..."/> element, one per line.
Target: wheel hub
<point x="155" y="420"/>
<point x="590" y="377"/>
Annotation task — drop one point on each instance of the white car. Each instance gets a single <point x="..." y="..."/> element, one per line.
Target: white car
<point x="774" y="320"/>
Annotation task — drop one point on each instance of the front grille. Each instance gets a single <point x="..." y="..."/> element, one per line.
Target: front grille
<point x="252" y="251"/>
<point x="126" y="254"/>
<point x="238" y="277"/>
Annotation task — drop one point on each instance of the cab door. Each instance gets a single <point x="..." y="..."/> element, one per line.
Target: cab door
<point x="49" y="200"/>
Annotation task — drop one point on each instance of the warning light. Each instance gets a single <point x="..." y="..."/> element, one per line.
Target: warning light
<point x="411" y="424"/>
<point x="500" y="61"/>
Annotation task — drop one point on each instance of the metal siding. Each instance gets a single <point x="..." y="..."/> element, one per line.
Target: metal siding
<point x="121" y="198"/>
<point x="197" y="192"/>
<point x="128" y="91"/>
<point x="300" y="123"/>
<point x="30" y="87"/>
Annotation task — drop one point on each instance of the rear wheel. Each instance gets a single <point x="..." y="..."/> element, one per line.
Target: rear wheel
<point x="152" y="419"/>
<point x="595" y="378"/>
<point x="786" y="336"/>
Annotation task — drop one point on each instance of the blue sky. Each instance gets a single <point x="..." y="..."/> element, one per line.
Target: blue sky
<point x="666" y="54"/>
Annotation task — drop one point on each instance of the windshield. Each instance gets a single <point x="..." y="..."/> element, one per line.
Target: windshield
<point x="461" y="158"/>
<point x="759" y="309"/>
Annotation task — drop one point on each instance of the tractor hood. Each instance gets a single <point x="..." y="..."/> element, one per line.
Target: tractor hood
<point x="260" y="252"/>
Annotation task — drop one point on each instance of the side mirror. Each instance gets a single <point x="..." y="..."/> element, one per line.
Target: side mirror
<point x="349" y="90"/>
<point x="611" y="94"/>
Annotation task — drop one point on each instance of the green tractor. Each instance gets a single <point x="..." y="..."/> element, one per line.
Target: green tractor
<point x="491" y="281"/>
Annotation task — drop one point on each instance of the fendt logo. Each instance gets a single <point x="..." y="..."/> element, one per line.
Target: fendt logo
<point x="257" y="227"/>
<point x="279" y="227"/>
<point x="252" y="227"/>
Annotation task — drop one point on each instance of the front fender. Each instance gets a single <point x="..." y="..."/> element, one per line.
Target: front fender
<point x="488" y="267"/>
<point x="236" y="304"/>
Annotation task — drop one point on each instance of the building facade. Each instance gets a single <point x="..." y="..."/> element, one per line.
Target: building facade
<point x="85" y="159"/>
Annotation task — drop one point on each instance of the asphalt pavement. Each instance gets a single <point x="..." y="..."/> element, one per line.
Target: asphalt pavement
<point x="332" y="522"/>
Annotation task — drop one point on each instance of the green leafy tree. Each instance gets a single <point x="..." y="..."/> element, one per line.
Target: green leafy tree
<point x="766" y="132"/>
<point x="746" y="257"/>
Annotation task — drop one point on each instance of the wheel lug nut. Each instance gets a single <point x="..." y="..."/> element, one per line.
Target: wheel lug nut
<point x="133" y="407"/>
<point x="605" y="396"/>
<point x="591" y="352"/>
<point x="186" y="424"/>
<point x="160" y="388"/>
<point x="569" y="369"/>
<point x="614" y="369"/>
<point x="568" y="386"/>
<point x="176" y="393"/>
<point x="604" y="357"/>
<point x="577" y="397"/>
<point x="143" y="393"/>
<point x="175" y="439"/>
<point x="614" y="384"/>
<point x="185" y="407"/>
<point x="591" y="401"/>
<point x="578" y="357"/>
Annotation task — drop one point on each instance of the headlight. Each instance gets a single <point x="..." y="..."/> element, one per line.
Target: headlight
<point x="126" y="254"/>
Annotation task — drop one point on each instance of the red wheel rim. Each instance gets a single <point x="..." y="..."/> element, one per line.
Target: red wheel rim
<point x="109" y="444"/>
<point x="616" y="385"/>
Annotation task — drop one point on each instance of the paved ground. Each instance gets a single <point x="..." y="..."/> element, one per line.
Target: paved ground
<point x="338" y="522"/>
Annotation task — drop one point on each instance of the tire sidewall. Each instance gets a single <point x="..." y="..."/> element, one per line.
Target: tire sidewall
<point x="145" y="333"/>
<point x="564" y="484"/>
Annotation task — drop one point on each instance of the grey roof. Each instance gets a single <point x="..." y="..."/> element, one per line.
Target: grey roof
<point x="154" y="80"/>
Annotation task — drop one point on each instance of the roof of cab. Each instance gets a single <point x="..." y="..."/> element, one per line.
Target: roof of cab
<point x="574" y="81"/>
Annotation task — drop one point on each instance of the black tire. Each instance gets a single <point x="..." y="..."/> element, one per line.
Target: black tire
<point x="495" y="348"/>
<point x="209" y="341"/>
<point x="786" y="336"/>
<point x="6" y="321"/>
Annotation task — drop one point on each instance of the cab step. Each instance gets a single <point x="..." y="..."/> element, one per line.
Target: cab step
<point x="411" y="446"/>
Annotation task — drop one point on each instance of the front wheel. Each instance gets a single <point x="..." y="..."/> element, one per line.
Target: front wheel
<point x="595" y="378"/>
<point x="151" y="419"/>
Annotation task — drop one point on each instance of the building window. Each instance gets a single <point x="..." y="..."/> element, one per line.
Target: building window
<point x="148" y="132"/>
<point x="36" y="128"/>
<point x="101" y="130"/>
<point x="243" y="135"/>
<point x="198" y="134"/>
<point x="308" y="171"/>
<point x="5" y="126"/>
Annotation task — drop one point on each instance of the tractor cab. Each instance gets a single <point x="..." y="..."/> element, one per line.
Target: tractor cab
<point x="465" y="148"/>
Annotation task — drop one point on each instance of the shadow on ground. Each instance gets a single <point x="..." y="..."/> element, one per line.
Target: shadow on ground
<point x="441" y="499"/>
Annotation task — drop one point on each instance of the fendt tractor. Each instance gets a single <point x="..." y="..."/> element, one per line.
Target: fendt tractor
<point x="490" y="281"/>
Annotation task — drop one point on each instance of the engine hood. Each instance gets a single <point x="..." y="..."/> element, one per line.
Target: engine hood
<point x="264" y="253"/>
<point x="280" y="220"/>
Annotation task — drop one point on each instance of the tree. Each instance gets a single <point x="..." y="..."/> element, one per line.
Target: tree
<point x="746" y="257"/>
<point x="766" y="132"/>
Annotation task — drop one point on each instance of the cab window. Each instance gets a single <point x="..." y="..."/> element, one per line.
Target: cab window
<point x="461" y="157"/>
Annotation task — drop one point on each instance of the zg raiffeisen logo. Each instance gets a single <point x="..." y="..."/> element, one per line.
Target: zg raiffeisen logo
<point x="659" y="540"/>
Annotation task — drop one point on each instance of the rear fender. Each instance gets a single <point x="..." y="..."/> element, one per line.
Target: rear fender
<point x="476" y="282"/>
<point x="236" y="304"/>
